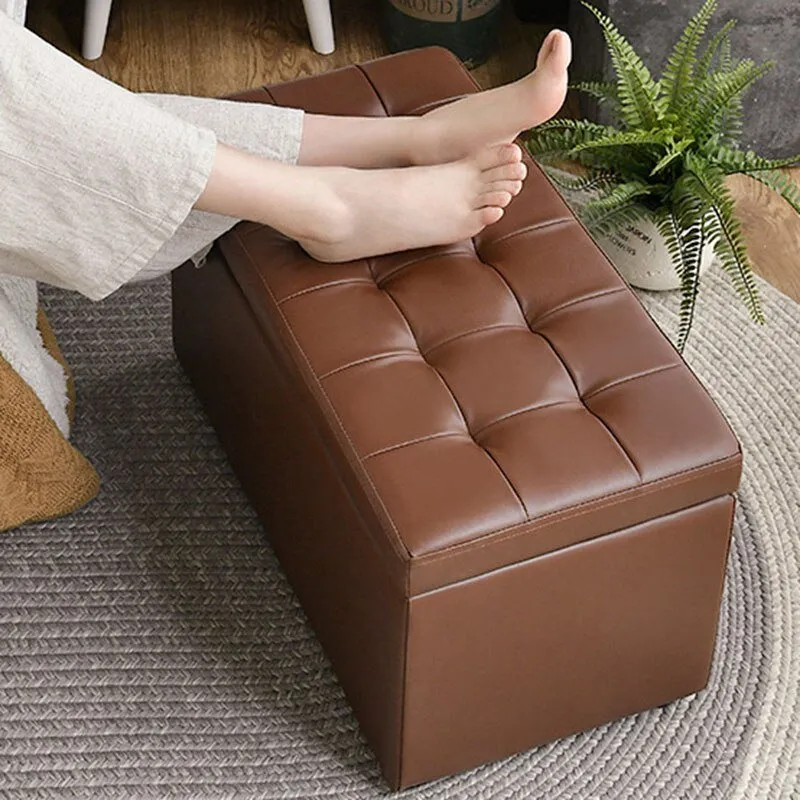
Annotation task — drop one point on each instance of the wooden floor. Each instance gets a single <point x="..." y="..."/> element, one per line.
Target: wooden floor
<point x="216" y="47"/>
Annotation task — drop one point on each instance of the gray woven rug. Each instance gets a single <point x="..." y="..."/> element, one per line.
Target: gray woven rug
<point x="151" y="648"/>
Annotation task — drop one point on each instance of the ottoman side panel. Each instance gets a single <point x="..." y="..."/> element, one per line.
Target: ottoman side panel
<point x="342" y="580"/>
<point x="563" y="642"/>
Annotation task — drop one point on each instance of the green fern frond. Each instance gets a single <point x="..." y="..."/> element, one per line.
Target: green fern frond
<point x="621" y="194"/>
<point x="637" y="90"/>
<point x="677" y="83"/>
<point x="632" y="154"/>
<point x="569" y="131"/>
<point x="725" y="58"/>
<point x="718" y="95"/>
<point x="725" y="231"/>
<point x="667" y="226"/>
<point x="594" y="181"/>
<point x="556" y="141"/>
<point x="731" y="121"/>
<point x="707" y="58"/>
<point x="734" y="161"/>
<point x="602" y="91"/>
<point x="683" y="229"/>
<point x="625" y="139"/>
<point x="672" y="154"/>
<point x="616" y="219"/>
<point x="609" y="213"/>
<point x="693" y="242"/>
<point x="782" y="184"/>
<point x="565" y="123"/>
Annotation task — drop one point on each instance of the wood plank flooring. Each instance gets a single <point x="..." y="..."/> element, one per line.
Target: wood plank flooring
<point x="216" y="47"/>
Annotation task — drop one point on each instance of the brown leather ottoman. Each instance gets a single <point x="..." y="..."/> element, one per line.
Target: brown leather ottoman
<point x="502" y="498"/>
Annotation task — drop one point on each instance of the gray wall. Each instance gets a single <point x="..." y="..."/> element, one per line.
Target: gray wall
<point x="766" y="29"/>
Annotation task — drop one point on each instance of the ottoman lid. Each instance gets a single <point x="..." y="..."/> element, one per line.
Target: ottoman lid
<point x="492" y="400"/>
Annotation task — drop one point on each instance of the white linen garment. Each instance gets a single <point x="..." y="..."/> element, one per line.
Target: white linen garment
<point x="97" y="183"/>
<point x="15" y="9"/>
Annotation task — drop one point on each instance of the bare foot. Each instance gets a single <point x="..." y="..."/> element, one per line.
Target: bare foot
<point x="365" y="213"/>
<point x="497" y="115"/>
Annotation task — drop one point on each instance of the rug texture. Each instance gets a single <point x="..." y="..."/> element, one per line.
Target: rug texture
<point x="150" y="646"/>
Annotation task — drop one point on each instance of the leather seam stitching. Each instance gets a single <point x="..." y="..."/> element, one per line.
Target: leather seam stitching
<point x="418" y="440"/>
<point x="410" y="263"/>
<point x="576" y="301"/>
<point x="608" y="501"/>
<point x="321" y="287"/>
<point x="528" y="409"/>
<point x="485" y="329"/>
<point x="535" y="228"/>
<point x="622" y="381"/>
<point x="407" y="355"/>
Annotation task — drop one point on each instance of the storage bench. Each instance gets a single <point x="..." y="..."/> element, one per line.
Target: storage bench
<point x="502" y="498"/>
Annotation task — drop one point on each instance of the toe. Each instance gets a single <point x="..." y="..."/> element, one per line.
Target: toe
<point x="546" y="49"/>
<point x="499" y="199"/>
<point x="490" y="215"/>
<point x="512" y="187"/>
<point x="511" y="153"/>
<point x="515" y="171"/>
<point x="560" y="51"/>
<point x="491" y="157"/>
<point x="555" y="52"/>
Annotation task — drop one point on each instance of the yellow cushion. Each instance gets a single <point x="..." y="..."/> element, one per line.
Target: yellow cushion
<point x="41" y="474"/>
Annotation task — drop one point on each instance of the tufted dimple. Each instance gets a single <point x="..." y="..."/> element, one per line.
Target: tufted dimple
<point x="372" y="399"/>
<point x="443" y="492"/>
<point x="626" y="348"/>
<point x="386" y="267"/>
<point x="545" y="456"/>
<point x="446" y="298"/>
<point x="667" y="424"/>
<point x="554" y="266"/>
<point x="500" y="372"/>
<point x="347" y="323"/>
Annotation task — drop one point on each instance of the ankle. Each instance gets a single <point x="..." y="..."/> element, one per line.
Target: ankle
<point x="332" y="220"/>
<point x="431" y="142"/>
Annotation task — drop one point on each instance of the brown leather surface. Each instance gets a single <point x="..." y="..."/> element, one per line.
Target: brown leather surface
<point x="547" y="408"/>
<point x="284" y="463"/>
<point x="501" y="497"/>
<point x="563" y="642"/>
<point x="484" y="667"/>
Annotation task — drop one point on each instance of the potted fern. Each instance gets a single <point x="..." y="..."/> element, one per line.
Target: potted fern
<point x="659" y="171"/>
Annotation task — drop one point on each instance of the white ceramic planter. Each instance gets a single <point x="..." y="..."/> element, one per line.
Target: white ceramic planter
<point x="638" y="250"/>
<point x="640" y="254"/>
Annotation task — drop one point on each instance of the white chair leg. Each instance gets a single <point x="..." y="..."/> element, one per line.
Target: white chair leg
<point x="320" y="24"/>
<point x="95" y="26"/>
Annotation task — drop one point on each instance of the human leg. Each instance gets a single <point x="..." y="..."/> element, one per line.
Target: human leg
<point x="451" y="133"/>
<point x="448" y="133"/>
<point x="339" y="213"/>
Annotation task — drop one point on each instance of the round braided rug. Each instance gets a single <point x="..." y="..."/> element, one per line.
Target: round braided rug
<point x="150" y="646"/>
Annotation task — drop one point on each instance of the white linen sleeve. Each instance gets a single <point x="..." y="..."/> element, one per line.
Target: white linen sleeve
<point x="265" y="130"/>
<point x="93" y="178"/>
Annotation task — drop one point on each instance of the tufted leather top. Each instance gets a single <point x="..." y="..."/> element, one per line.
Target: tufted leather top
<point x="492" y="400"/>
